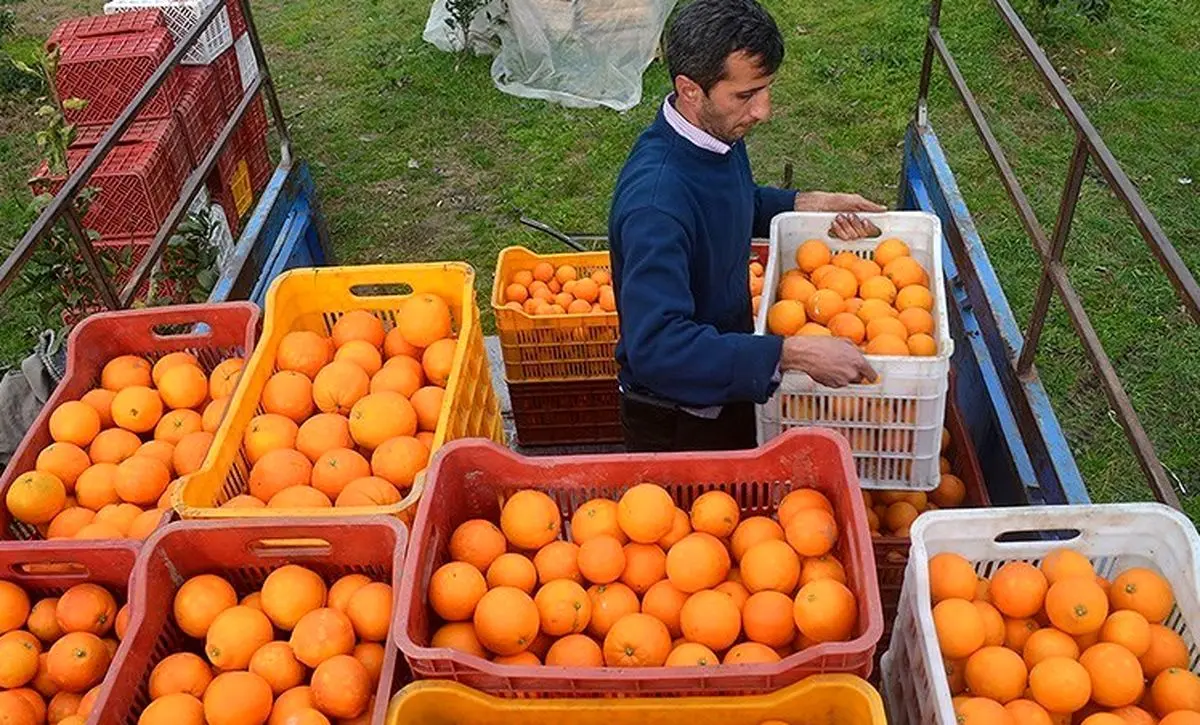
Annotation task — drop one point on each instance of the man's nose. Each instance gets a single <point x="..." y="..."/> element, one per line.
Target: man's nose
<point x="760" y="108"/>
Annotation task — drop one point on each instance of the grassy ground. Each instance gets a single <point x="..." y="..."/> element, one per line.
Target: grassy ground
<point x="418" y="157"/>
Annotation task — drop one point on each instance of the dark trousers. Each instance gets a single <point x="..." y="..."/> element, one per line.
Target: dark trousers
<point x="656" y="428"/>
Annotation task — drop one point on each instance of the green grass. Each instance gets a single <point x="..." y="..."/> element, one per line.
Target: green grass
<point x="366" y="97"/>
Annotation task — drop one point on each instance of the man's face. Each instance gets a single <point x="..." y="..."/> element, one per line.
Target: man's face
<point x="738" y="102"/>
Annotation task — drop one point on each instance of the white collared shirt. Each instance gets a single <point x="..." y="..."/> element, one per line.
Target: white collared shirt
<point x="685" y="128"/>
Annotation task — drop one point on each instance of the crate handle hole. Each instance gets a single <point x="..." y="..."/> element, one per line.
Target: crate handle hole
<point x="395" y="289"/>
<point x="51" y="569"/>
<point x="290" y="547"/>
<point x="182" y="329"/>
<point x="1032" y="535"/>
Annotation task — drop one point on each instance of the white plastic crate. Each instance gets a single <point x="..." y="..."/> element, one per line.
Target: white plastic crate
<point x="182" y="16"/>
<point x="247" y="63"/>
<point x="895" y="424"/>
<point x="1114" y="537"/>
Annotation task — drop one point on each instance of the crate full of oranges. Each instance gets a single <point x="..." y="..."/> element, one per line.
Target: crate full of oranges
<point x="556" y="315"/>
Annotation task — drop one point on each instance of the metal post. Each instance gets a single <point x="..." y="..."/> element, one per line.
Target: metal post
<point x="935" y="19"/>
<point x="268" y="84"/>
<point x="90" y="258"/>
<point x="1062" y="232"/>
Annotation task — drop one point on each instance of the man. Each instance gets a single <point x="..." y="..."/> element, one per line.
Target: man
<point x="683" y="214"/>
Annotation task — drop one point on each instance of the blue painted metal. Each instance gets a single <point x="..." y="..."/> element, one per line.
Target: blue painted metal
<point x="285" y="230"/>
<point x="1030" y="463"/>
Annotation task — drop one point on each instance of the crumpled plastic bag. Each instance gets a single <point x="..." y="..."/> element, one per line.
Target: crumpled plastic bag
<point x="579" y="53"/>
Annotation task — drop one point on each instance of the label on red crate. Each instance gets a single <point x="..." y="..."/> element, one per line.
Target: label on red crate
<point x="243" y="194"/>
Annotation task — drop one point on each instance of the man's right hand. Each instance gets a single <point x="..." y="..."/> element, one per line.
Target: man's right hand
<point x="830" y="361"/>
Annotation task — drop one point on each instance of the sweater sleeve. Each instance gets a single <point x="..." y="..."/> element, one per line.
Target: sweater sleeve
<point x="666" y="349"/>
<point x="768" y="202"/>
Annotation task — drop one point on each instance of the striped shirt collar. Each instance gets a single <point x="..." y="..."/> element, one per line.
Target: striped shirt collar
<point x="684" y="128"/>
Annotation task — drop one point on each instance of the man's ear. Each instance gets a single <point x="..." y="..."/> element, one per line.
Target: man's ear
<point x="688" y="89"/>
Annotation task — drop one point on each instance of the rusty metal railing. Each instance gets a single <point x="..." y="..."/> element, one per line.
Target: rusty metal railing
<point x="1089" y="147"/>
<point x="62" y="207"/>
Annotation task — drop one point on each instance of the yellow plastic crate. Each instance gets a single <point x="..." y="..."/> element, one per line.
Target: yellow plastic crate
<point x="553" y="347"/>
<point x="818" y="700"/>
<point x="314" y="299"/>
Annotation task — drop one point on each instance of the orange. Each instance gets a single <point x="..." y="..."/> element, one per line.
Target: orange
<point x="874" y="310"/>
<point x="845" y="260"/>
<point x="981" y="711"/>
<point x="691" y="654"/>
<point x="530" y="520"/>
<point x="637" y="640"/>
<point x="371" y="655"/>
<point x="506" y="620"/>
<point x="478" y="542"/>
<point x="341" y="687"/>
<point x="290" y="592"/>
<point x="199" y="601"/>
<point x="344" y="588"/>
<point x="321" y="634"/>
<point x="801" y="498"/>
<point x="1128" y="629"/>
<point x="1046" y="643"/>
<point x="1060" y="684"/>
<point x="290" y="394"/>
<point x="183" y="386"/>
<point x="1076" y="605"/>
<point x="75" y="422"/>
<point x="425" y="320"/>
<point x="19" y="652"/>
<point x="566" y="273"/>
<point x="315" y="437"/>
<point x="177" y="709"/>
<point x="42" y="622"/>
<point x="361" y="353"/>
<point x="378" y="417"/>
<point x="86" y="608"/>
<point x="996" y="673"/>
<point x="1018" y="589"/>
<point x="914" y="296"/>
<point x="610" y="602"/>
<point x="370" y="611"/>
<point x="767" y="618"/>
<point x="118" y="516"/>
<point x="161" y="451"/>
<point x="454" y="591"/>
<point x="878" y="288"/>
<point x="36" y="497"/>
<point x="794" y="287"/>
<point x="77" y="661"/>
<point x="190" y="452"/>
<point x="888" y="250"/>
<point x="266" y="433"/>
<point x="338" y="386"/>
<point x="1102" y="718"/>
<point x="1174" y="689"/>
<point x="1167" y="649"/>
<point x="664" y="602"/>
<point x="1028" y="712"/>
<point x="917" y="321"/>
<point x="772" y="565"/>
<point x="825" y="611"/>
<point x="438" y="359"/>
<point x="558" y="560"/>
<point x="136" y="409"/>
<point x="951" y="577"/>
<point x="887" y="344"/>
<point x="303" y="351"/>
<point x="601" y="559"/>
<point x="839" y="280"/>
<point x="812" y="254"/>
<point x="397" y="379"/>
<point x="1115" y="673"/>
<point x="244" y="501"/>
<point x="960" y="628"/>
<point x="786" y="317"/>
<point x="398" y="460"/>
<point x="369" y="491"/>
<point x="141" y="479"/>
<point x="736" y="591"/>
<point x="427" y="403"/>
<point x="65" y="461"/>
<point x="14" y="606"/>
<point x="235" y="635"/>
<point x="645" y="564"/>
<point x="951" y="492"/>
<point x="751" y="531"/>
<point x="563" y="607"/>
<point x="459" y="636"/>
<point x="698" y="561"/>
<point x="715" y="513"/>
<point x="100" y="400"/>
<point x="125" y="371"/>
<point x="822" y="567"/>
<point x="63" y="705"/>
<point x="336" y="468"/>
<point x="681" y="526"/>
<point x="886" y="326"/>
<point x="278" y="470"/>
<point x="1017" y="632"/>
<point x="1181" y="717"/>
<point x="849" y="326"/>
<point x="811" y="532"/>
<point x="823" y="306"/>
<point x="357" y="325"/>
<point x="748" y="653"/>
<point x="1137" y="716"/>
<point x="646" y="513"/>
<point x="235" y="698"/>
<point x="223" y="380"/>
<point x="922" y="345"/>
<point x="993" y="624"/>
<point x="812" y="329"/>
<point x="1145" y="592"/>
<point x="905" y="272"/>
<point x="181" y="672"/>
<point x="864" y="269"/>
<point x="512" y="570"/>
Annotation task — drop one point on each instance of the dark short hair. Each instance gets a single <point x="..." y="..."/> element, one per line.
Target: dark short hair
<point x="706" y="32"/>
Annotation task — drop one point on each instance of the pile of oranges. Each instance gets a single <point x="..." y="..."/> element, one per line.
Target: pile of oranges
<point x="892" y="513"/>
<point x="1056" y="643"/>
<point x="562" y="290"/>
<point x="643" y="583"/>
<point x="117" y="450"/>
<point x="55" y="652"/>
<point x="349" y="418"/>
<point x="884" y="304"/>
<point x="296" y="648"/>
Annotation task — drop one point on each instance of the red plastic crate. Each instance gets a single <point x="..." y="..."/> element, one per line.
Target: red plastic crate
<point x="95" y="26"/>
<point x="108" y="71"/>
<point x="229" y="79"/>
<point x="245" y="553"/>
<point x="50" y="569"/>
<point x="232" y="332"/>
<point x="566" y="412"/>
<point x="200" y="112"/>
<point x="237" y="19"/>
<point x="470" y="479"/>
<point x="254" y="145"/>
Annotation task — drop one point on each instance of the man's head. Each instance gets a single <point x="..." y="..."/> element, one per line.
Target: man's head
<point x="722" y="56"/>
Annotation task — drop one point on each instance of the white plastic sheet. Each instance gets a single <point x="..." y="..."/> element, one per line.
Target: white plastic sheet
<point x="579" y="53"/>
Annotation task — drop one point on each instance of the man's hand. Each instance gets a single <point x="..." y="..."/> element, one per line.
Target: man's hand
<point x="850" y="227"/>
<point x="826" y="201"/>
<point x="830" y="361"/>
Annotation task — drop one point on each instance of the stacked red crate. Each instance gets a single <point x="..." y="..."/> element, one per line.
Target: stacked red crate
<point x="200" y="113"/>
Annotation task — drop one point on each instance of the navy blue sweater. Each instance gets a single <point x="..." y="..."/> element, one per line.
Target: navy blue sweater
<point x="680" y="227"/>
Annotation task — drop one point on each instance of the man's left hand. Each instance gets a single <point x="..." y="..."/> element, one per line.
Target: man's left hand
<point x="827" y="201"/>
